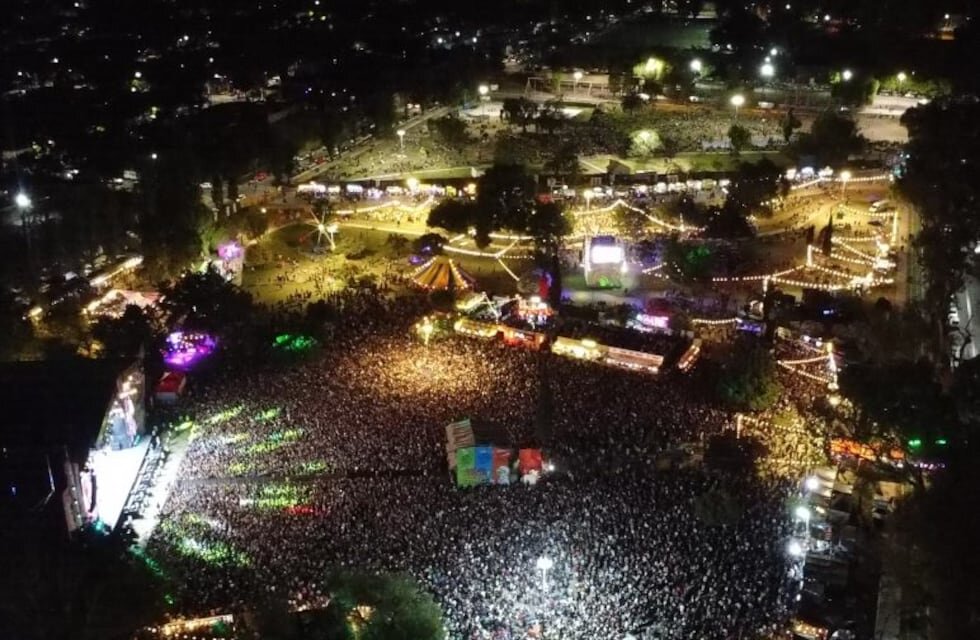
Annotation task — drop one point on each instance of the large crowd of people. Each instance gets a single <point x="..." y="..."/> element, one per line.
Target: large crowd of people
<point x="338" y="462"/>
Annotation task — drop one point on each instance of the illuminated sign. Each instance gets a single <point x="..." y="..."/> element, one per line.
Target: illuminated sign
<point x="606" y="254"/>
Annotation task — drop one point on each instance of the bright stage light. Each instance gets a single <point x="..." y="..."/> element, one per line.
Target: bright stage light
<point x="795" y="549"/>
<point x="606" y="254"/>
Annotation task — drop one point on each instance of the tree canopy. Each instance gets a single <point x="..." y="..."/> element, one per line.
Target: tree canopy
<point x="940" y="178"/>
<point x="206" y="300"/>
<point x="832" y="138"/>
<point x="748" y="376"/>
<point x="384" y="607"/>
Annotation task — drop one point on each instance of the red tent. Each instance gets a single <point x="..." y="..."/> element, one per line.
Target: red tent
<point x="170" y="386"/>
<point x="529" y="460"/>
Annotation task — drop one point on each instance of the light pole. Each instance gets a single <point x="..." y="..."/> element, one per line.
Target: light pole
<point x="401" y="140"/>
<point x="24" y="204"/>
<point x="737" y="101"/>
<point x="844" y="177"/>
<point x="544" y="564"/>
<point x="578" y="78"/>
<point x="901" y="77"/>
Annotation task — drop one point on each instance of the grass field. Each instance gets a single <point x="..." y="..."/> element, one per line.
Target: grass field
<point x="655" y="32"/>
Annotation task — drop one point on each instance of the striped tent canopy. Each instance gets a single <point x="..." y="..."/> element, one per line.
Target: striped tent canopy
<point x="437" y="273"/>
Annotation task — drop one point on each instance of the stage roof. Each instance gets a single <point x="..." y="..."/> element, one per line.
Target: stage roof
<point x="57" y="403"/>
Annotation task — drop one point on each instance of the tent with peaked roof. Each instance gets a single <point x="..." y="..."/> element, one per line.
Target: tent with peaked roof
<point x="438" y="272"/>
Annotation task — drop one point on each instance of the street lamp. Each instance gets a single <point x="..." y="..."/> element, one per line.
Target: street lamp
<point x="483" y="90"/>
<point x="578" y="78"/>
<point x="401" y="139"/>
<point x="802" y="512"/>
<point x="696" y="66"/>
<point x="844" y="177"/>
<point x="812" y="483"/>
<point x="544" y="563"/>
<point x="737" y="101"/>
<point x="22" y="200"/>
<point x="153" y="156"/>
<point x="767" y="70"/>
<point x="901" y="77"/>
<point x="847" y="75"/>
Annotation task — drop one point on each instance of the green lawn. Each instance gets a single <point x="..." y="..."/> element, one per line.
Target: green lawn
<point x="657" y="32"/>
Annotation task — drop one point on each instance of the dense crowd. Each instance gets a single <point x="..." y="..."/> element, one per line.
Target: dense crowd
<point x="339" y="462"/>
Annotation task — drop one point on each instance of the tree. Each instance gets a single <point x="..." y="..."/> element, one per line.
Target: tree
<point x="563" y="161"/>
<point x="453" y="215"/>
<point x="172" y="216"/>
<point x="855" y="92"/>
<point x="690" y="8"/>
<point x="689" y="261"/>
<point x="631" y="102"/>
<point x="206" y="300"/>
<point x="511" y="150"/>
<point x="549" y="224"/>
<point x="947" y="561"/>
<point x="450" y="130"/>
<point x="504" y="197"/>
<point x="669" y="147"/>
<point x="519" y="111"/>
<point x="940" y="179"/>
<point x="740" y="29"/>
<point x="15" y="331"/>
<point x="754" y="187"/>
<point x="789" y="124"/>
<point x="384" y="607"/>
<point x="740" y="138"/>
<point x="56" y="588"/>
<point x="728" y="222"/>
<point x="429" y="243"/>
<point x="832" y="138"/>
<point x="551" y="118"/>
<point x="748" y="377"/>
<point x="902" y="398"/>
<point x="125" y="335"/>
